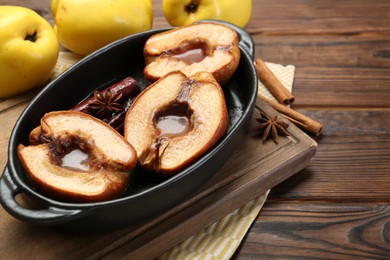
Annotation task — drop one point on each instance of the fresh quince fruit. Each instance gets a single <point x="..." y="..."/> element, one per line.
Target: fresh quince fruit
<point x="185" y="12"/>
<point x="210" y="47"/>
<point x="28" y="50"/>
<point x="78" y="158"/>
<point x="176" y="120"/>
<point x="84" y="26"/>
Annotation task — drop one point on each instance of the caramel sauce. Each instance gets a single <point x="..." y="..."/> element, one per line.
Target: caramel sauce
<point x="190" y="56"/>
<point x="172" y="125"/>
<point x="76" y="159"/>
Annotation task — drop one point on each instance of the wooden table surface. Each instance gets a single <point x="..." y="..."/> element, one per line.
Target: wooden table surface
<point x="339" y="206"/>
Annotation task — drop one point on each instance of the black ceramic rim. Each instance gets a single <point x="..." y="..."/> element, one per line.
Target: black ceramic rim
<point x="246" y="52"/>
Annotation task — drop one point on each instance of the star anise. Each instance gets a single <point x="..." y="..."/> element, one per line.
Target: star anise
<point x="106" y="104"/>
<point x="271" y="127"/>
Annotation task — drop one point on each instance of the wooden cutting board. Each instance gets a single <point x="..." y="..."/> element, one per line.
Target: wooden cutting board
<point x="252" y="169"/>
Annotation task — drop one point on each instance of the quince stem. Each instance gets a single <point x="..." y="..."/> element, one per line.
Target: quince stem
<point x="31" y="37"/>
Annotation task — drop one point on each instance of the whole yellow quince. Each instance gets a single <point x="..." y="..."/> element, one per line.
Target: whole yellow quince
<point x="185" y="12"/>
<point x="28" y="50"/>
<point x="84" y="26"/>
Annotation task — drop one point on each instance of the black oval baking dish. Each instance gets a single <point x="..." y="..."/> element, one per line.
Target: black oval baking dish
<point x="148" y="195"/>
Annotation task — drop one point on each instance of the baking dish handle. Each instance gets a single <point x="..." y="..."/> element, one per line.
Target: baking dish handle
<point x="47" y="216"/>
<point x="245" y="40"/>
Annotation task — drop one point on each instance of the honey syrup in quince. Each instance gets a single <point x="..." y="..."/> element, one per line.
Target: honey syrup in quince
<point x="76" y="159"/>
<point x="172" y="125"/>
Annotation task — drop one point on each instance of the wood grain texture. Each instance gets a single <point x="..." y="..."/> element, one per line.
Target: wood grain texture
<point x="9" y="117"/>
<point x="317" y="17"/>
<point x="341" y="53"/>
<point x="352" y="161"/>
<point x="348" y="71"/>
<point x="298" y="230"/>
<point x="336" y="208"/>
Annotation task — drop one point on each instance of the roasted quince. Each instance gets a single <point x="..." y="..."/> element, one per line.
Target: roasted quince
<point x="77" y="158"/>
<point x="176" y="120"/>
<point x="206" y="46"/>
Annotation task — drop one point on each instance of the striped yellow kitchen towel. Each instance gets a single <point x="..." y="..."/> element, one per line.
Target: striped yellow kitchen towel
<point x="221" y="239"/>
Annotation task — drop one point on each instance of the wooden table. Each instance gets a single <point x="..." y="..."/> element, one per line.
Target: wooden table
<point x="339" y="206"/>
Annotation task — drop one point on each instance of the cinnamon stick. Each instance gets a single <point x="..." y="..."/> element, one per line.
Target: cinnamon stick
<point x="127" y="87"/>
<point x="304" y="122"/>
<point x="272" y="83"/>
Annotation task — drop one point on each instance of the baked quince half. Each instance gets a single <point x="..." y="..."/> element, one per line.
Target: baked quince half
<point x="77" y="158"/>
<point x="207" y="46"/>
<point x="176" y="120"/>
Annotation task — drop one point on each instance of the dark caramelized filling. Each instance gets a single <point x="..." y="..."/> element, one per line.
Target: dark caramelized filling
<point x="71" y="152"/>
